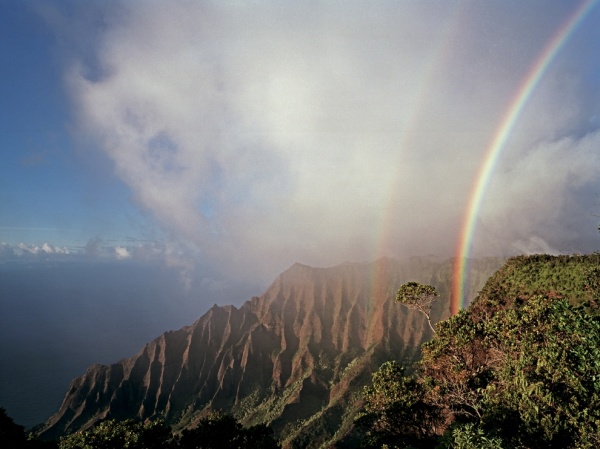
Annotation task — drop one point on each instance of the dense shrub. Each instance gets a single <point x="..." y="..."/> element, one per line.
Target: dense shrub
<point x="520" y="368"/>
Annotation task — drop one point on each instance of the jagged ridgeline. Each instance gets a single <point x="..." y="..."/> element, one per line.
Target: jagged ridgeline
<point x="295" y="358"/>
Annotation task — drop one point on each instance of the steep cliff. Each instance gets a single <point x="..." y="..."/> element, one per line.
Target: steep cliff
<point x="295" y="357"/>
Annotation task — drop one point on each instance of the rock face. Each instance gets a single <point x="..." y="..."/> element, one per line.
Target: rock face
<point x="295" y="358"/>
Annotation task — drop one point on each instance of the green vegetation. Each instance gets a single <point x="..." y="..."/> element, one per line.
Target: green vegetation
<point x="130" y="434"/>
<point x="419" y="297"/>
<point x="519" y="369"/>
<point x="216" y="431"/>
<point x="573" y="277"/>
<point x="219" y="431"/>
<point x="395" y="413"/>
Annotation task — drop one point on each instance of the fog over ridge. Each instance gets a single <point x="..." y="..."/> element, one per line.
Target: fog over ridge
<point x="265" y="134"/>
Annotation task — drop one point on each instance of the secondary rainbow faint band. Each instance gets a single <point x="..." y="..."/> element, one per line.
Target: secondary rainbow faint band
<point x="497" y="143"/>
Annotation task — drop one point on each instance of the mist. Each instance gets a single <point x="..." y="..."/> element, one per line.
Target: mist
<point x="217" y="143"/>
<point x="258" y="135"/>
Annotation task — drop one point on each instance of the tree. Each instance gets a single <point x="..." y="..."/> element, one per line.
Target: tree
<point x="519" y="369"/>
<point x="222" y="431"/>
<point x="528" y="372"/>
<point x="418" y="296"/>
<point x="129" y="434"/>
<point x="394" y="413"/>
<point x="548" y="385"/>
<point x="456" y="365"/>
<point x="13" y="436"/>
<point x="217" y="431"/>
<point x="469" y="436"/>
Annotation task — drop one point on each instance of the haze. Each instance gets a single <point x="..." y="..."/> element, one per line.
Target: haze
<point x="225" y="141"/>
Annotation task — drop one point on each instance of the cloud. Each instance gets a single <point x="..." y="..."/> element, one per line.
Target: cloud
<point x="266" y="134"/>
<point x="553" y="182"/>
<point x="122" y="253"/>
<point x="49" y="249"/>
<point x="92" y="247"/>
<point x="143" y="251"/>
<point x="95" y="249"/>
<point x="45" y="249"/>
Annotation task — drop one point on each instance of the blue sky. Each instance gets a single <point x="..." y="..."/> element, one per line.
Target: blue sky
<point x="50" y="191"/>
<point x="249" y="137"/>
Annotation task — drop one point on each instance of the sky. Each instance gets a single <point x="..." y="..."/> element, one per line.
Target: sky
<point x="246" y="136"/>
<point x="159" y="157"/>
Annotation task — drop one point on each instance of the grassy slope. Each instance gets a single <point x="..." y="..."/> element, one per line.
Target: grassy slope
<point x="523" y="276"/>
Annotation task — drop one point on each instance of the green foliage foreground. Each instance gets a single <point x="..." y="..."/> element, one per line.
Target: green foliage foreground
<point x="519" y="369"/>
<point x="216" y="431"/>
<point x="130" y="434"/>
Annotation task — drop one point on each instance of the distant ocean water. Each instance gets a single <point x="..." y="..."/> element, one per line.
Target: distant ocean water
<point x="57" y="318"/>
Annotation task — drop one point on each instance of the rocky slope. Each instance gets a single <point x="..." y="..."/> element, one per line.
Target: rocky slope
<point x="295" y="357"/>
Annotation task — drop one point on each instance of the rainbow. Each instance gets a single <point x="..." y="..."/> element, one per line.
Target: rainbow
<point x="386" y="230"/>
<point x="501" y="134"/>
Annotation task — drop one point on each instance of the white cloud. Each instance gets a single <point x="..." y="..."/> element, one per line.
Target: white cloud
<point x="49" y="249"/>
<point x="178" y="256"/>
<point x="540" y="193"/>
<point x="265" y="134"/>
<point x="122" y="253"/>
<point x="28" y="249"/>
<point x="45" y="249"/>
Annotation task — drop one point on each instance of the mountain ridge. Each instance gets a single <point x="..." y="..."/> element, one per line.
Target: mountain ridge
<point x="294" y="357"/>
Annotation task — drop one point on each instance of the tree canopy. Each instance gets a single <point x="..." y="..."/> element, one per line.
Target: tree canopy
<point x="14" y="436"/>
<point x="519" y="369"/>
<point x="128" y="434"/>
<point x="418" y="296"/>
<point x="219" y="431"/>
<point x="216" y="431"/>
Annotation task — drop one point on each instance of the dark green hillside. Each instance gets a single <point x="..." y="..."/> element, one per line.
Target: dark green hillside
<point x="572" y="277"/>
<point x="520" y="368"/>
